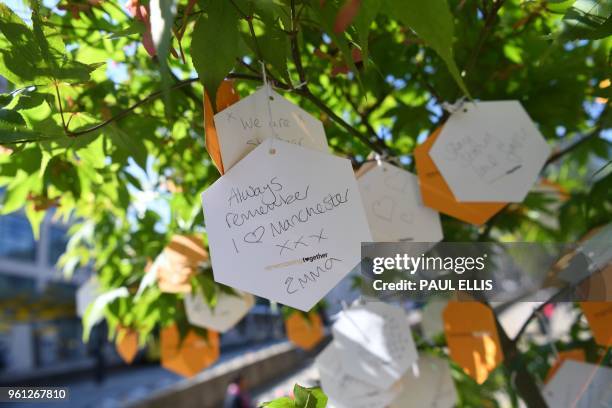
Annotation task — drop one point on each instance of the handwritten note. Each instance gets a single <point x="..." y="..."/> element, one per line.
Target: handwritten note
<point x="394" y="207"/>
<point x="380" y="335"/>
<point x="490" y="152"/>
<point x="244" y="125"/>
<point x="86" y="294"/>
<point x="579" y="385"/>
<point x="285" y="224"/>
<point x="228" y="311"/>
<point x="432" y="386"/>
<point x="346" y="391"/>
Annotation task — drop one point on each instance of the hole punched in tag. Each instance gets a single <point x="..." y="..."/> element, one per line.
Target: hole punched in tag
<point x="272" y="151"/>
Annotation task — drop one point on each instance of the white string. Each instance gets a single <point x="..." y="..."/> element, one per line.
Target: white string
<point x="454" y="107"/>
<point x="269" y="98"/>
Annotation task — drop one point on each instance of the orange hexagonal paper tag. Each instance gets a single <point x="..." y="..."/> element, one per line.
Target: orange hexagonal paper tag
<point x="599" y="316"/>
<point x="304" y="332"/>
<point x="190" y="355"/>
<point x="126" y="344"/>
<point x="472" y="338"/>
<point x="436" y="193"/>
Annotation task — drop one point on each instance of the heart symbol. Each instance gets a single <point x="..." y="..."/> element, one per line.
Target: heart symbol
<point x="398" y="182"/>
<point x="383" y="208"/>
<point x="255" y="236"/>
<point x="407" y="218"/>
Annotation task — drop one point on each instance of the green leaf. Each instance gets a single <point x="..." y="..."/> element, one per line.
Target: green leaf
<point x="309" y="397"/>
<point x="274" y="46"/>
<point x="588" y="19"/>
<point x="433" y="22"/>
<point x="363" y="21"/>
<point x="215" y="44"/>
<point x="95" y="311"/>
<point x="284" y="402"/>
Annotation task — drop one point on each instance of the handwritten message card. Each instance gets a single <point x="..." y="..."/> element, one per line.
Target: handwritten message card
<point x="433" y="387"/>
<point x="86" y="294"/>
<point x="490" y="152"/>
<point x="228" y="311"/>
<point x="380" y="335"/>
<point x="244" y="125"/>
<point x="437" y="195"/>
<point x="580" y="385"/>
<point x="394" y="207"/>
<point x="285" y="224"/>
<point x="346" y="391"/>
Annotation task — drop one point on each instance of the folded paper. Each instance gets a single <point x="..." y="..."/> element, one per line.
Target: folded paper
<point x="263" y="114"/>
<point x="472" y="338"/>
<point x="304" y="331"/>
<point x="431" y="386"/>
<point x="375" y="342"/>
<point x="285" y="223"/>
<point x="437" y="195"/>
<point x="490" y="151"/>
<point x="226" y="313"/>
<point x="346" y="391"/>
<point x="190" y="355"/>
<point x="394" y="207"/>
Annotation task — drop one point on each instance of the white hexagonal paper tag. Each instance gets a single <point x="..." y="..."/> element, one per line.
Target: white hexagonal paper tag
<point x="579" y="385"/>
<point x="394" y="208"/>
<point x="244" y="125"/>
<point x="379" y="334"/>
<point x="346" y="391"/>
<point x="285" y="223"/>
<point x="490" y="152"/>
<point x="228" y="311"/>
<point x="432" y="386"/>
<point x="86" y="294"/>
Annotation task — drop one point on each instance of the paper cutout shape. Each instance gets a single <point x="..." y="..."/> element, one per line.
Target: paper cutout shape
<point x="244" y="125"/>
<point x="471" y="335"/>
<point x="376" y="342"/>
<point x="599" y="316"/>
<point x="433" y="387"/>
<point x="126" y="344"/>
<point x="576" y="355"/>
<point x="283" y="231"/>
<point x="304" y="332"/>
<point x="179" y="262"/>
<point x="436" y="194"/>
<point x="579" y="385"/>
<point x="86" y="294"/>
<point x="346" y="391"/>
<point x="226" y="96"/>
<point x="190" y="355"/>
<point x="431" y="318"/>
<point x="228" y="311"/>
<point x="490" y="151"/>
<point x="394" y="207"/>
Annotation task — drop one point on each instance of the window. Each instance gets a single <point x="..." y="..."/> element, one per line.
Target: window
<point x="16" y="238"/>
<point x="58" y="239"/>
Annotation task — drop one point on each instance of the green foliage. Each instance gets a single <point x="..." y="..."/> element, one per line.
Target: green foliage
<point x="304" y="398"/>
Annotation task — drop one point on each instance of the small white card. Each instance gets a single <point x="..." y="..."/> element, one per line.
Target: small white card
<point x="394" y="208"/>
<point x="285" y="225"/>
<point x="376" y="342"/>
<point x="346" y="391"/>
<point x="490" y="152"/>
<point x="579" y="385"/>
<point x="431" y="318"/>
<point x="86" y="294"/>
<point x="433" y="387"/>
<point x="244" y="125"/>
<point x="228" y="311"/>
